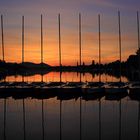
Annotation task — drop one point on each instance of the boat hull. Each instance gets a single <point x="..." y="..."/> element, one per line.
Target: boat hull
<point x="113" y="90"/>
<point x="92" y="90"/>
<point x="134" y="90"/>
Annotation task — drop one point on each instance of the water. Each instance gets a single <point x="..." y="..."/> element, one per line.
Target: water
<point x="71" y="119"/>
<point x="66" y="76"/>
<point x="55" y="119"/>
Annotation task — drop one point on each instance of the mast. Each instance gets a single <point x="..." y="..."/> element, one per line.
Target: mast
<point x="138" y="39"/>
<point x="80" y="39"/>
<point x="138" y="30"/>
<point x="120" y="45"/>
<point x="22" y="39"/>
<point x="99" y="26"/>
<point x="42" y="75"/>
<point x="80" y="55"/>
<point x="41" y="41"/>
<point x="22" y="44"/>
<point x="41" y="46"/>
<point x="2" y="37"/>
<point x="60" y="63"/>
<point x="80" y="44"/>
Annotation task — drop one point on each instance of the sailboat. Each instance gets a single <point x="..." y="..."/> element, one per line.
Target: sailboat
<point x="2" y="84"/>
<point x="56" y="86"/>
<point x="117" y="87"/>
<point x="75" y="88"/>
<point x="96" y="87"/>
<point x="40" y="84"/>
<point x="134" y="87"/>
<point x="21" y="86"/>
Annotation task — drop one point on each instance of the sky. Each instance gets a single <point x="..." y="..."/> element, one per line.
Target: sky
<point x="12" y="11"/>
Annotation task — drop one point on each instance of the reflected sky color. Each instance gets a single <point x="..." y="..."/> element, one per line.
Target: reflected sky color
<point x="66" y="77"/>
<point x="32" y="9"/>
<point x="113" y="126"/>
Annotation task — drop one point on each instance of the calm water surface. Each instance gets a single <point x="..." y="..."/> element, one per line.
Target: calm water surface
<point x="66" y="76"/>
<point x="54" y="119"/>
<point x="71" y="119"/>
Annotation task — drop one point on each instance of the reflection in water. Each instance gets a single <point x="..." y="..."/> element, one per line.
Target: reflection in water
<point x="5" y="119"/>
<point x="24" y="127"/>
<point x="120" y="121"/>
<point x="80" y="118"/>
<point x="66" y="76"/>
<point x="99" y="119"/>
<point x="60" y="120"/>
<point x="94" y="119"/>
<point x="138" y="120"/>
<point x="42" y="120"/>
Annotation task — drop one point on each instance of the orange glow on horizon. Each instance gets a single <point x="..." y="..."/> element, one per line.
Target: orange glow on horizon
<point x="69" y="42"/>
<point x="69" y="57"/>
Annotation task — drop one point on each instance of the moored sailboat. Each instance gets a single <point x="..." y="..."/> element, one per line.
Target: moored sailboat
<point x="134" y="87"/>
<point x="96" y="87"/>
<point x="117" y="87"/>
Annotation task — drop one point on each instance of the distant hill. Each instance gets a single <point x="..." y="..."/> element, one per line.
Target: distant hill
<point x="33" y="65"/>
<point x="125" y="68"/>
<point x="23" y="68"/>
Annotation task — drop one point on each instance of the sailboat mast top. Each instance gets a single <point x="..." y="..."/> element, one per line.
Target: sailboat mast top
<point x="2" y="37"/>
<point x="22" y="39"/>
<point x="138" y="30"/>
<point x="59" y="26"/>
<point x="41" y="40"/>
<point x="80" y="44"/>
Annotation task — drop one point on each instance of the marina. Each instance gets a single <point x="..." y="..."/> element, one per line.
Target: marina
<point x="69" y="70"/>
<point x="75" y="88"/>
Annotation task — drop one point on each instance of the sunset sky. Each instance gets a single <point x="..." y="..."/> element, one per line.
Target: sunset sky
<point x="69" y="9"/>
